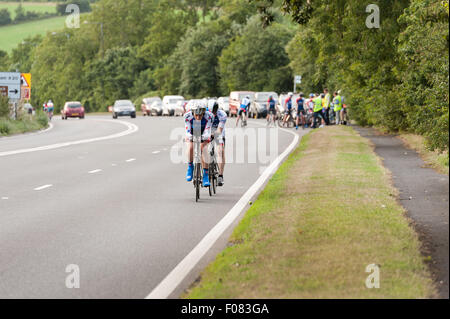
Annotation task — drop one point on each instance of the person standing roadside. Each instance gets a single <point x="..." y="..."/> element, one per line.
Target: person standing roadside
<point x="337" y="101"/>
<point x="318" y="107"/>
<point x="327" y="105"/>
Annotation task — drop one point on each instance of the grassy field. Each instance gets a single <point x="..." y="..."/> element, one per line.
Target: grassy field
<point x="439" y="162"/>
<point x="328" y="213"/>
<point x="41" y="7"/>
<point x="12" y="35"/>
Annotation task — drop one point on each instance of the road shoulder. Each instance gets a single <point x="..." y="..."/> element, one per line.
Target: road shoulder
<point x="324" y="217"/>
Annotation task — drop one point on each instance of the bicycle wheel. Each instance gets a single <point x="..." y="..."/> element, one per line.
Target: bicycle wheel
<point x="213" y="177"/>
<point x="198" y="180"/>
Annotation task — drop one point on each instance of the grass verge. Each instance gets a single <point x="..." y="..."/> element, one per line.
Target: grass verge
<point x="26" y="124"/>
<point x="436" y="160"/>
<point x="328" y="213"/>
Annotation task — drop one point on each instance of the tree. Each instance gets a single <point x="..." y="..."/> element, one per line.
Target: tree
<point x="20" y="13"/>
<point x="198" y="56"/>
<point x="254" y="56"/>
<point x="5" y="17"/>
<point x="424" y="71"/>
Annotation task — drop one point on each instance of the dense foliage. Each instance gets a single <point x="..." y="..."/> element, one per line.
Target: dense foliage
<point x="395" y="76"/>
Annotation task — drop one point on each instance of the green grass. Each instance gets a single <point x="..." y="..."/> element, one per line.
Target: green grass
<point x="328" y="213"/>
<point x="41" y="7"/>
<point x="26" y="124"/>
<point x="12" y="35"/>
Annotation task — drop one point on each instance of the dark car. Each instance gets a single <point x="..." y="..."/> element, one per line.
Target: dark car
<point x="72" y="109"/>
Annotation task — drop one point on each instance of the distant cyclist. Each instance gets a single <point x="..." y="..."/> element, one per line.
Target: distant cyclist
<point x="50" y="109"/>
<point x="243" y="109"/>
<point x="287" y="113"/>
<point x="198" y="114"/>
<point x="301" y="113"/>
<point x="218" y="130"/>
<point x="272" y="110"/>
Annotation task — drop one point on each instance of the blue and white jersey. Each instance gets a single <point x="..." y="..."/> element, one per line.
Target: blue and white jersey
<point x="206" y="124"/>
<point x="219" y="122"/>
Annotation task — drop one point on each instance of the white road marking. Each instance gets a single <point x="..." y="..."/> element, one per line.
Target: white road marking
<point x="132" y="128"/>
<point x="50" y="127"/>
<point x="43" y="187"/>
<point x="177" y="275"/>
<point x="95" y="171"/>
<point x="113" y="165"/>
<point x="130" y="160"/>
<point x="156" y="152"/>
<point x="5" y="198"/>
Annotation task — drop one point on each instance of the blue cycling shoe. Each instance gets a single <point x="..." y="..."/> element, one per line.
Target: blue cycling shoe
<point x="190" y="173"/>
<point x="206" y="179"/>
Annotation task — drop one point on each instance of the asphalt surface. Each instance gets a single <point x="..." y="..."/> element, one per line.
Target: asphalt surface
<point x="425" y="195"/>
<point x="119" y="209"/>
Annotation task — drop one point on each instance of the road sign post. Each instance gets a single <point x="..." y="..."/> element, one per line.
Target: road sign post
<point x="297" y="80"/>
<point x="10" y="87"/>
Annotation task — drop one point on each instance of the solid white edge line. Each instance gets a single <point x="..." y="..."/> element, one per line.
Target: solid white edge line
<point x="179" y="273"/>
<point x="130" y="160"/>
<point x="43" y="187"/>
<point x="50" y="127"/>
<point x="95" y="171"/>
<point x="132" y="128"/>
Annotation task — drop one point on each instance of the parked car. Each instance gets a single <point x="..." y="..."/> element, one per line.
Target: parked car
<point x="260" y="108"/>
<point x="147" y="106"/>
<point x="72" y="109"/>
<point x="124" y="108"/>
<point x="180" y="108"/>
<point x="224" y="104"/>
<point x="236" y="98"/>
<point x="170" y="103"/>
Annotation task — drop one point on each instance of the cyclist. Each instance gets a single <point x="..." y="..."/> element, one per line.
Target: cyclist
<point x="245" y="105"/>
<point x="50" y="109"/>
<point x="338" y="108"/>
<point x="288" y="103"/>
<point x="198" y="113"/>
<point x="301" y="113"/>
<point x="272" y="111"/>
<point x="218" y="129"/>
<point x="318" y="111"/>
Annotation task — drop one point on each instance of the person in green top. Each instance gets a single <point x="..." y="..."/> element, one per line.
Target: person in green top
<point x="338" y="107"/>
<point x="318" y="107"/>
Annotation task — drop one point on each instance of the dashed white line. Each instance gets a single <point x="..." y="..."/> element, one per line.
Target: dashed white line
<point x="5" y="198"/>
<point x="43" y="187"/>
<point x="156" y="152"/>
<point x="130" y="160"/>
<point x="95" y="171"/>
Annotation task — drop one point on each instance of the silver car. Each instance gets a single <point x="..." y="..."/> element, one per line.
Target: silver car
<point x="124" y="108"/>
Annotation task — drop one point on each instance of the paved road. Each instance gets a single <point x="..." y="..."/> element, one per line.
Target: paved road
<point x="425" y="195"/>
<point x="118" y="208"/>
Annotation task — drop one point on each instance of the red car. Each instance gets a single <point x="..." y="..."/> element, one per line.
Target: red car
<point x="72" y="109"/>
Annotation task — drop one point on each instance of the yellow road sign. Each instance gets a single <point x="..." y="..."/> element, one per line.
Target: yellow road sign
<point x="25" y="80"/>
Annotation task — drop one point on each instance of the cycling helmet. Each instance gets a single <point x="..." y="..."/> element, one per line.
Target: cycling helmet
<point x="291" y="94"/>
<point x="311" y="95"/>
<point x="322" y="95"/>
<point x="247" y="96"/>
<point x="301" y="94"/>
<point x="199" y="108"/>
